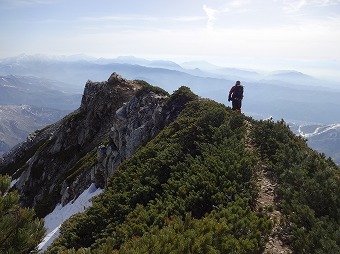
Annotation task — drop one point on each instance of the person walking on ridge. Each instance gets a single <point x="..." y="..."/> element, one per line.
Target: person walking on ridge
<point x="236" y="96"/>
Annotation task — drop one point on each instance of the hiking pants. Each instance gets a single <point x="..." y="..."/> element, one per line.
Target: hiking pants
<point x="237" y="104"/>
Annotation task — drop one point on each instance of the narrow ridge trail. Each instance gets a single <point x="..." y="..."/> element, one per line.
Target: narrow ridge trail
<point x="267" y="200"/>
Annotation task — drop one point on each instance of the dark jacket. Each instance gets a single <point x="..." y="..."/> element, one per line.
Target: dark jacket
<point x="236" y="93"/>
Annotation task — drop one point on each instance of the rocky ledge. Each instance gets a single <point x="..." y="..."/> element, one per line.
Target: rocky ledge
<point x="115" y="118"/>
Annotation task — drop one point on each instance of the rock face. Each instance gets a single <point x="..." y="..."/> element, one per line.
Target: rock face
<point x="115" y="118"/>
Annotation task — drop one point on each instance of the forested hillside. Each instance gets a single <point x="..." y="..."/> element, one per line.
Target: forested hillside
<point x="194" y="189"/>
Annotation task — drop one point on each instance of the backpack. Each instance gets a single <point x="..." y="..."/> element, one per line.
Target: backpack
<point x="238" y="92"/>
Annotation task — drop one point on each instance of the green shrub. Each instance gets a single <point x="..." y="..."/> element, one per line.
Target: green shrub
<point x="191" y="190"/>
<point x="309" y="187"/>
<point x="20" y="230"/>
<point x="146" y="88"/>
<point x="197" y="167"/>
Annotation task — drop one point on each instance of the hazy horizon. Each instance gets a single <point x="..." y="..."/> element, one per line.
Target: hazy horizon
<point x="315" y="69"/>
<point x="263" y="35"/>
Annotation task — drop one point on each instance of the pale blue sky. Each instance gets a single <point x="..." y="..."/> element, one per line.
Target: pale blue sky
<point x="295" y="34"/>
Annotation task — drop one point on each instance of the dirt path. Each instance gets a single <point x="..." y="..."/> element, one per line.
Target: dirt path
<point x="266" y="201"/>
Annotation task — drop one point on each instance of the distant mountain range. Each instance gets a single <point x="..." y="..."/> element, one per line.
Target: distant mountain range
<point x="29" y="103"/>
<point x="17" y="122"/>
<point x="41" y="92"/>
<point x="288" y="94"/>
<point x="283" y="94"/>
<point x="323" y="138"/>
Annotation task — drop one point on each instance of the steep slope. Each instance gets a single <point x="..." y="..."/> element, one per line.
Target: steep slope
<point x="307" y="189"/>
<point x="181" y="175"/>
<point x="115" y="117"/>
<point x="190" y="188"/>
<point x="214" y="181"/>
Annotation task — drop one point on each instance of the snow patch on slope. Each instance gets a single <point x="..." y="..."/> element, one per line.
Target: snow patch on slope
<point x="61" y="213"/>
<point x="13" y="182"/>
<point x="319" y="130"/>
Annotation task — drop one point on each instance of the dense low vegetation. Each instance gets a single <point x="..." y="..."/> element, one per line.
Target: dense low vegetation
<point x="309" y="188"/>
<point x="189" y="190"/>
<point x="192" y="189"/>
<point x="146" y="87"/>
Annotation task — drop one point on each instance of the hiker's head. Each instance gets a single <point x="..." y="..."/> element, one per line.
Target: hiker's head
<point x="238" y="82"/>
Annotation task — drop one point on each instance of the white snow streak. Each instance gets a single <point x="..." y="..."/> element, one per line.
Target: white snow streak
<point x="319" y="130"/>
<point x="61" y="213"/>
<point x="13" y="182"/>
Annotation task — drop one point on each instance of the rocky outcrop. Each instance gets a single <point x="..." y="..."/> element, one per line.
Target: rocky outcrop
<point x="115" y="118"/>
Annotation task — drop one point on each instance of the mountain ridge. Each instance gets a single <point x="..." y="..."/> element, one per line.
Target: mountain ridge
<point x="74" y="137"/>
<point x="281" y="99"/>
<point x="17" y="122"/>
<point x="176" y="167"/>
<point x="261" y="94"/>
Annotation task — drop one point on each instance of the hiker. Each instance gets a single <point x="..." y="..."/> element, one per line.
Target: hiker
<point x="236" y="96"/>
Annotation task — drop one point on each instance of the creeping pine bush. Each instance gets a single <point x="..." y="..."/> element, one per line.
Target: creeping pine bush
<point x="309" y="188"/>
<point x="189" y="190"/>
<point x="20" y="230"/>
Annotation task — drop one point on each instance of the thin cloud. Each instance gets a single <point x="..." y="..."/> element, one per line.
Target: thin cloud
<point x="233" y="6"/>
<point x="293" y="6"/>
<point x="211" y="13"/>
